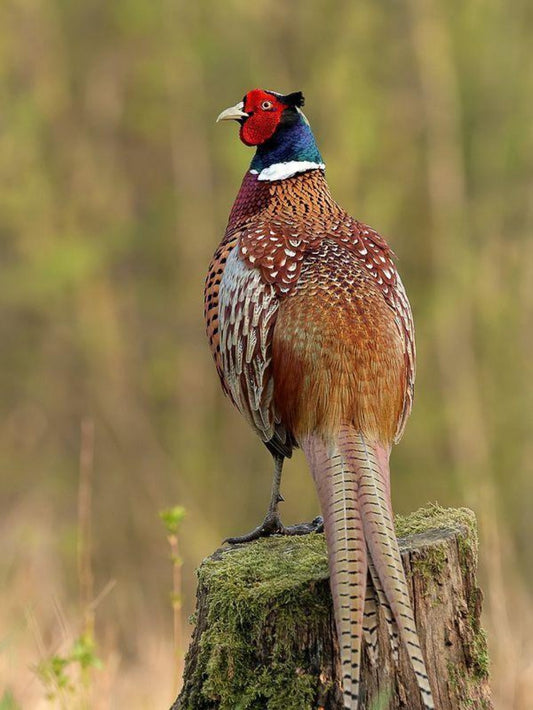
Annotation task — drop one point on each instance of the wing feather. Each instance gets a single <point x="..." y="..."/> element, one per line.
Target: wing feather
<point x="247" y="313"/>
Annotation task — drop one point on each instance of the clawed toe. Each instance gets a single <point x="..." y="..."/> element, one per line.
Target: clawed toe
<point x="272" y="525"/>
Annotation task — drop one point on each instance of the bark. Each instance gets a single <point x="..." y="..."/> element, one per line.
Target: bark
<point x="265" y="637"/>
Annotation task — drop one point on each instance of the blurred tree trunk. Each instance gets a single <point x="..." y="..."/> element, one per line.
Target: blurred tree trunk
<point x="265" y="636"/>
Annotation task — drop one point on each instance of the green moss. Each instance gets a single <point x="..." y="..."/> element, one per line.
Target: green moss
<point x="453" y="675"/>
<point x="382" y="702"/>
<point x="459" y="682"/>
<point x="466" y="689"/>
<point x="431" y="564"/>
<point x="245" y="584"/>
<point x="480" y="653"/>
<point x="433" y="517"/>
<point x="272" y="565"/>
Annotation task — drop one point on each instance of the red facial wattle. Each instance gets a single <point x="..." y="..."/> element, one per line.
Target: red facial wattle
<point x="264" y="111"/>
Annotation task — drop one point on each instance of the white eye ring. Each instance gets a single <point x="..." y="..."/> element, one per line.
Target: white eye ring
<point x="266" y="105"/>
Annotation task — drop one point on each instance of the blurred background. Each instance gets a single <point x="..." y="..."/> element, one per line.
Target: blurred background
<point x="115" y="187"/>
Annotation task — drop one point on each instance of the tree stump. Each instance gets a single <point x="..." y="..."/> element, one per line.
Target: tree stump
<point x="265" y="636"/>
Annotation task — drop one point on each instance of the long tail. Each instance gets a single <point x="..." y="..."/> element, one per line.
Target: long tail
<point x="336" y="484"/>
<point x="352" y="481"/>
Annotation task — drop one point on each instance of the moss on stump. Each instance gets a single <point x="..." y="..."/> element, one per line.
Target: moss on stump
<point x="265" y="638"/>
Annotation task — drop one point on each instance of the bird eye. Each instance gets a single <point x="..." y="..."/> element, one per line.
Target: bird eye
<point x="266" y="105"/>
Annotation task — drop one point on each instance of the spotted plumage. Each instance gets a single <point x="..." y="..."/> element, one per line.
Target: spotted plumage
<point x="313" y="339"/>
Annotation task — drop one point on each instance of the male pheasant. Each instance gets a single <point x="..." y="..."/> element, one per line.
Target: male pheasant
<point x="312" y="336"/>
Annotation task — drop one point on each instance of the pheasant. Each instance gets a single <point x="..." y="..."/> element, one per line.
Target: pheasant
<point x="312" y="336"/>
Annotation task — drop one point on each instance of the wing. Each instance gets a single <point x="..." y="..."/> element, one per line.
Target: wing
<point x="212" y="298"/>
<point x="247" y="310"/>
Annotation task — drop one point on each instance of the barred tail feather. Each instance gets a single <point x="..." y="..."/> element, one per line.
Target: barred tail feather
<point x="336" y="484"/>
<point x="392" y="626"/>
<point x="370" y="621"/>
<point x="352" y="480"/>
<point x="375" y="509"/>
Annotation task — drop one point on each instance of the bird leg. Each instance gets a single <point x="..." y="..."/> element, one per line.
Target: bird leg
<point x="272" y="524"/>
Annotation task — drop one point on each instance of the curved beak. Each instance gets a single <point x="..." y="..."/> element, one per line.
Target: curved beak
<point x="234" y="113"/>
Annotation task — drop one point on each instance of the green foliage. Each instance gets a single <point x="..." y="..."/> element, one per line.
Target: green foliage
<point x="62" y="675"/>
<point x="84" y="653"/>
<point x="172" y="518"/>
<point x="52" y="673"/>
<point x="8" y="702"/>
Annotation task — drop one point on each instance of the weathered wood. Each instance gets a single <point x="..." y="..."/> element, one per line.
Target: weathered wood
<point x="265" y="639"/>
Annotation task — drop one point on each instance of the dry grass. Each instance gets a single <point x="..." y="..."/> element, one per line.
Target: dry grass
<point x="39" y="620"/>
<point x="508" y="619"/>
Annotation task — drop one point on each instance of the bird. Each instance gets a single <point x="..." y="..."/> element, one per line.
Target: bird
<point x="312" y="336"/>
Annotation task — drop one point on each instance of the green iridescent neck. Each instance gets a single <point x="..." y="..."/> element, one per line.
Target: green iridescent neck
<point x="292" y="142"/>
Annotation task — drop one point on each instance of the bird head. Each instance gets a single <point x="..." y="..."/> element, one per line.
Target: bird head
<point x="262" y="112"/>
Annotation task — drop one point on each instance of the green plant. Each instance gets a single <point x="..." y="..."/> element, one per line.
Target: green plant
<point x="8" y="702"/>
<point x="172" y="519"/>
<point x="62" y="675"/>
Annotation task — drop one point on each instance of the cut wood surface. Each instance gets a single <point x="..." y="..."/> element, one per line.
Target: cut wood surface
<point x="265" y="637"/>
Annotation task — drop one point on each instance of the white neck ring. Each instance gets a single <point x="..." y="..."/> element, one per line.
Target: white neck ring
<point x="281" y="171"/>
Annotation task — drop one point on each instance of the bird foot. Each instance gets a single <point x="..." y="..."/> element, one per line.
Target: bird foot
<point x="272" y="525"/>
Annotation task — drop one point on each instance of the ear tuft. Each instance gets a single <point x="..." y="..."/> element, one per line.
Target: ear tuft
<point x="295" y="99"/>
